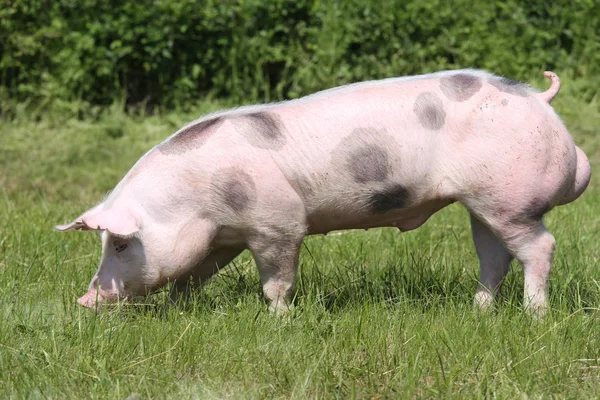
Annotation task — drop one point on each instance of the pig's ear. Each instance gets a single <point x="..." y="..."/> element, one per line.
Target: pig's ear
<point x="118" y="223"/>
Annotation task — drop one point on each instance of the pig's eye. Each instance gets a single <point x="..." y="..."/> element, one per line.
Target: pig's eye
<point x="119" y="247"/>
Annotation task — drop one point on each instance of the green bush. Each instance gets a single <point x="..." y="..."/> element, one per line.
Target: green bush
<point x="75" y="55"/>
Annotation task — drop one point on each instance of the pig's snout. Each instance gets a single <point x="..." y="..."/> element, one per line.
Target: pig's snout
<point x="90" y="299"/>
<point x="96" y="295"/>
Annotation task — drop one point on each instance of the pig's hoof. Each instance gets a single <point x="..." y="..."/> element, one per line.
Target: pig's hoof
<point x="537" y="310"/>
<point x="279" y="308"/>
<point x="484" y="300"/>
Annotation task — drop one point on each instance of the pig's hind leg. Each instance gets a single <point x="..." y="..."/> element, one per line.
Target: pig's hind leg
<point x="534" y="247"/>
<point x="494" y="262"/>
<point x="526" y="238"/>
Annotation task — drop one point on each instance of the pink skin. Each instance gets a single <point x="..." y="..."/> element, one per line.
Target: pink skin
<point x="90" y="299"/>
<point x="383" y="153"/>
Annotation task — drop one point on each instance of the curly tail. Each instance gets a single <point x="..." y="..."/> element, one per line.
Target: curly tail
<point x="551" y="93"/>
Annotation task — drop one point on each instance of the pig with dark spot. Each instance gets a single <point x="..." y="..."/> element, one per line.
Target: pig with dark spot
<point x="371" y="154"/>
<point x="460" y="87"/>
<point x="429" y="108"/>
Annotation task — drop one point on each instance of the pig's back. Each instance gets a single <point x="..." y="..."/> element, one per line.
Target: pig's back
<point x="382" y="143"/>
<point x="373" y="151"/>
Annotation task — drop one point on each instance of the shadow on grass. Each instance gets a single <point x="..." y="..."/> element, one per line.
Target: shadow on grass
<point x="334" y="290"/>
<point x="421" y="281"/>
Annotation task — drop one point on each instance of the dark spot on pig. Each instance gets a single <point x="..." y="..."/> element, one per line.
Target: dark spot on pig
<point x="430" y="110"/>
<point x="190" y="138"/>
<point x="237" y="195"/>
<point x="369" y="164"/>
<point x="460" y="87"/>
<point x="504" y="102"/>
<point x="233" y="188"/>
<point x="509" y="82"/>
<point x="365" y="155"/>
<point x="265" y="130"/>
<point x="510" y="86"/>
<point x="536" y="209"/>
<point x="390" y="198"/>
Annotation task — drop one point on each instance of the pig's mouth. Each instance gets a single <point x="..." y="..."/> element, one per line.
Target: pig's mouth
<point x="94" y="298"/>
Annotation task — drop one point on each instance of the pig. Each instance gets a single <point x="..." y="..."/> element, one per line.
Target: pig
<point x="387" y="153"/>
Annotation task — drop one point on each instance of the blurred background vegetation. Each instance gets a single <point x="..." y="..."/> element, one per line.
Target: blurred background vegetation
<point x="79" y="56"/>
<point x="379" y="315"/>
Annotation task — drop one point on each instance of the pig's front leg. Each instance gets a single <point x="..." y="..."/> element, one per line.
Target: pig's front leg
<point x="216" y="260"/>
<point x="494" y="262"/>
<point x="276" y="251"/>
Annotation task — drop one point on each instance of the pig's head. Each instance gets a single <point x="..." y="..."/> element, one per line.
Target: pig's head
<point x="122" y="271"/>
<point x="141" y="253"/>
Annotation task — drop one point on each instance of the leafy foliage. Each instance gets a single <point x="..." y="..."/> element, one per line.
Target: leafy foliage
<point x="75" y="55"/>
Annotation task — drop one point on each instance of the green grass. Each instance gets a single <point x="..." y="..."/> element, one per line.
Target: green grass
<point x="377" y="314"/>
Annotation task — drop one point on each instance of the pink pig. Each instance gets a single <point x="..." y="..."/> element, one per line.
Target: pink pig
<point x="371" y="154"/>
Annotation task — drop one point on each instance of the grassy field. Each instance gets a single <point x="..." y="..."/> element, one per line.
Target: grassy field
<point x="377" y="314"/>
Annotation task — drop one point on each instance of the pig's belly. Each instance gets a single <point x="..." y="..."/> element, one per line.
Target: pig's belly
<point x="331" y="219"/>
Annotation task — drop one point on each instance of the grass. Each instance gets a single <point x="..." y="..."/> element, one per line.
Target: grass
<point x="377" y="314"/>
